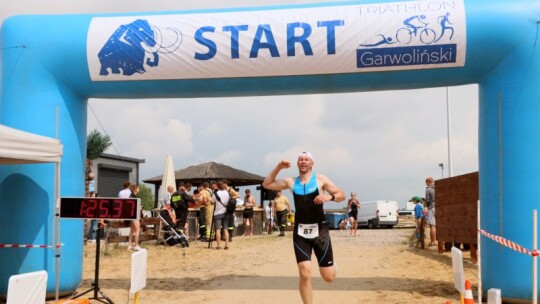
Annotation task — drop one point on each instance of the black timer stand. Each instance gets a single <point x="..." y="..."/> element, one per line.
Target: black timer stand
<point x="95" y="286"/>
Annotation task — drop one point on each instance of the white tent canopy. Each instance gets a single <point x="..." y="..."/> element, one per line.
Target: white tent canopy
<point x="19" y="147"/>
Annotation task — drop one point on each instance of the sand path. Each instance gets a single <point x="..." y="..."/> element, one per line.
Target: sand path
<point x="377" y="266"/>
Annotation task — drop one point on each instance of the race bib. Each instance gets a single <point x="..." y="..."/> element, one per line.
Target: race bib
<point x="308" y="231"/>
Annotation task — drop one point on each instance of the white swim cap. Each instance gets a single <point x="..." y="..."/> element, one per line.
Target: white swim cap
<point x="306" y="154"/>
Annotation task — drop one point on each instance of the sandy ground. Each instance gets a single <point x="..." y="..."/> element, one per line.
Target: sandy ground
<point x="376" y="266"/>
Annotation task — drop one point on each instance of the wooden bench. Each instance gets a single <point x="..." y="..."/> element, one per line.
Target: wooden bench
<point x="151" y="234"/>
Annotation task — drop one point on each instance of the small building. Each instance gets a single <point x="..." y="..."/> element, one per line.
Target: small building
<point x="111" y="171"/>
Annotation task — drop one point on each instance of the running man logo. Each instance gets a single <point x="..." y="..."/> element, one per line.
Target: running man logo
<point x="130" y="44"/>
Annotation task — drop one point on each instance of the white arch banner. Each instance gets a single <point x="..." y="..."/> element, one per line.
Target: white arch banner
<point x="302" y="41"/>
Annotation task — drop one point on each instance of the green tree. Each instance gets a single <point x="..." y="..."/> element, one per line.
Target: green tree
<point x="96" y="143"/>
<point x="147" y="198"/>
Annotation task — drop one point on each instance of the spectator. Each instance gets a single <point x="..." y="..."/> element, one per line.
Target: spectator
<point x="205" y="197"/>
<point x="180" y="201"/>
<point x="419" y="220"/>
<point x="91" y="235"/>
<point x="125" y="192"/>
<point x="188" y="187"/>
<point x="231" y="217"/>
<point x="169" y="209"/>
<point x="165" y="197"/>
<point x="282" y="207"/>
<point x="201" y="209"/>
<point x="214" y="185"/>
<point x="135" y="225"/>
<point x="269" y="212"/>
<point x="344" y="224"/>
<point x="247" y="214"/>
<point x="220" y="198"/>
<point x="430" y="204"/>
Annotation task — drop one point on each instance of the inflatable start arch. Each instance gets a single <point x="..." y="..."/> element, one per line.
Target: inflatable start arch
<point x="51" y="62"/>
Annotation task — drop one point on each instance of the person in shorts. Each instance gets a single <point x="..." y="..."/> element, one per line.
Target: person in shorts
<point x="221" y="218"/>
<point x="311" y="232"/>
<point x="420" y="221"/>
<point x="430" y="204"/>
<point x="282" y="208"/>
<point x="247" y="214"/>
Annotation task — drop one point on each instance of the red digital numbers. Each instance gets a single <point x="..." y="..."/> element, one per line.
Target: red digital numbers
<point x="105" y="208"/>
<point x="88" y="207"/>
<point x="82" y="209"/>
<point x="132" y="205"/>
<point x="117" y="208"/>
<point x="92" y="207"/>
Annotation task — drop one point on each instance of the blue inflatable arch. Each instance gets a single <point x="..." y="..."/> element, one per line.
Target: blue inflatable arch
<point x="51" y="62"/>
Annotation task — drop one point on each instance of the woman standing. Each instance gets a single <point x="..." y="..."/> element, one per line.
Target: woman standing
<point x="135" y="225"/>
<point x="354" y="205"/>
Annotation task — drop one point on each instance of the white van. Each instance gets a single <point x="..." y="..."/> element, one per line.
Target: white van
<point x="378" y="213"/>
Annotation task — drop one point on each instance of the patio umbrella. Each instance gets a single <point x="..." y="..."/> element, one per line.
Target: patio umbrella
<point x="168" y="176"/>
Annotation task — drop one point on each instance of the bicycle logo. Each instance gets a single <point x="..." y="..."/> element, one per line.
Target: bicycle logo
<point x="405" y="35"/>
<point x="417" y="29"/>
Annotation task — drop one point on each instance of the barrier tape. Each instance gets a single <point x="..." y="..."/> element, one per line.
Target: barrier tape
<point x="29" y="246"/>
<point x="509" y="244"/>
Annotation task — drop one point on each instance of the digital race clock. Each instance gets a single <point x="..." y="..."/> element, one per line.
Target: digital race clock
<point x="110" y="208"/>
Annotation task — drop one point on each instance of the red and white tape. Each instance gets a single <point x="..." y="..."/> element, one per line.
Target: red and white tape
<point x="509" y="244"/>
<point x="28" y="246"/>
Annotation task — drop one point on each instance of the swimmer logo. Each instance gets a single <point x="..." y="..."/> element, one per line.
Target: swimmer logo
<point x="125" y="50"/>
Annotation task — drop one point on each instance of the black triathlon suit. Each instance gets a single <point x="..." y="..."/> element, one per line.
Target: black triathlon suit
<point x="307" y="212"/>
<point x="354" y="211"/>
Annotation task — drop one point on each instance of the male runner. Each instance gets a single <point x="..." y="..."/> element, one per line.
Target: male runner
<point x="310" y="227"/>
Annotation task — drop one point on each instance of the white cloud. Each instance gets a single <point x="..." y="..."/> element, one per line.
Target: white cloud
<point x="229" y="157"/>
<point x="211" y="130"/>
<point x="379" y="144"/>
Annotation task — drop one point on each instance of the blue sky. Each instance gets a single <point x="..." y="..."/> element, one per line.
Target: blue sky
<point x="381" y="145"/>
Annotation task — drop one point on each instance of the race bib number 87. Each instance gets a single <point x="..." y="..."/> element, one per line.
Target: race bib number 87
<point x="308" y="231"/>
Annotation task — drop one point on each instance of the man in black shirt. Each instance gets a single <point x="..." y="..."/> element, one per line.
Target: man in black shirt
<point x="180" y="203"/>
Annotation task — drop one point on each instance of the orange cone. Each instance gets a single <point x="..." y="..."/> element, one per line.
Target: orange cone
<point x="468" y="297"/>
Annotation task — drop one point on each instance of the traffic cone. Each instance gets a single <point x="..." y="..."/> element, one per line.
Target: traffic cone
<point x="468" y="297"/>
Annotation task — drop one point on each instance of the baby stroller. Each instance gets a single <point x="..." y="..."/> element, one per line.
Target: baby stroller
<point x="170" y="234"/>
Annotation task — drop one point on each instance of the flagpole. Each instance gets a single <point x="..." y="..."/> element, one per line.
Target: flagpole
<point x="449" y="130"/>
